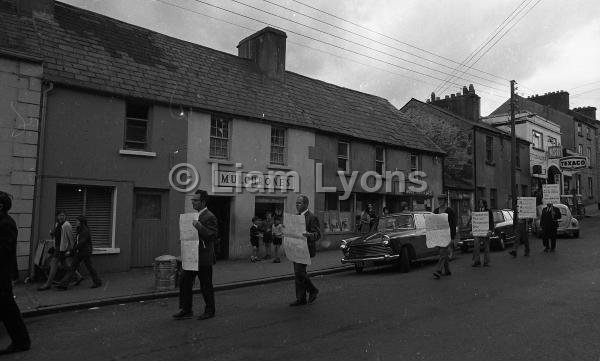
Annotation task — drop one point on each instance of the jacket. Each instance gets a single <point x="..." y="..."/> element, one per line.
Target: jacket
<point x="548" y="220"/>
<point x="208" y="231"/>
<point x="67" y="238"/>
<point x="8" y="250"/>
<point x="313" y="228"/>
<point x="83" y="246"/>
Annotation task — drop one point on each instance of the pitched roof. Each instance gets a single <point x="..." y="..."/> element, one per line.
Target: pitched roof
<point x="88" y="50"/>
<point x="433" y="109"/>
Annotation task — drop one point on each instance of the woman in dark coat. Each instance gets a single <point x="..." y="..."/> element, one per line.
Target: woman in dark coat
<point x="82" y="253"/>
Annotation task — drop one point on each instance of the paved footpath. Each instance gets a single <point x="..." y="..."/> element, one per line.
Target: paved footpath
<point x="139" y="284"/>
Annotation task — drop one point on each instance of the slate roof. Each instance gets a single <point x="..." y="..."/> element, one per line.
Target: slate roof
<point x="88" y="50"/>
<point x="433" y="109"/>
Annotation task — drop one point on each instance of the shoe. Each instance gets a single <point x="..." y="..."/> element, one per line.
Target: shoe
<point x="206" y="316"/>
<point x="96" y="285"/>
<point x="513" y="253"/>
<point x="546" y="249"/>
<point x="62" y="288"/>
<point x="437" y="275"/>
<point x="551" y="249"/>
<point x="43" y="288"/>
<point x="447" y="273"/>
<point x="12" y="348"/>
<point x="79" y="281"/>
<point x="486" y="265"/>
<point x="277" y="260"/>
<point x="182" y="315"/>
<point x="476" y="264"/>
<point x="298" y="303"/>
<point x="253" y="259"/>
<point x="312" y="296"/>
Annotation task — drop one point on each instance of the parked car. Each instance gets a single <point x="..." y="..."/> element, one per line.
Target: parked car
<point x="399" y="239"/>
<point x="575" y="205"/>
<point x="503" y="233"/>
<point x="567" y="226"/>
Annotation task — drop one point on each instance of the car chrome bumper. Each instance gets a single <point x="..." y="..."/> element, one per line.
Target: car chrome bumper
<point x="386" y="257"/>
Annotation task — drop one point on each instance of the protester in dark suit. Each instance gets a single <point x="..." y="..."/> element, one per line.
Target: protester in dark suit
<point x="207" y="234"/>
<point x="443" y="262"/>
<point x="313" y="233"/>
<point x="549" y="224"/>
<point x="82" y="252"/>
<point x="483" y="207"/>
<point x="9" y="311"/>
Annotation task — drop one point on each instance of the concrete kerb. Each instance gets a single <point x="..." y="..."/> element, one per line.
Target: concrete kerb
<point x="167" y="294"/>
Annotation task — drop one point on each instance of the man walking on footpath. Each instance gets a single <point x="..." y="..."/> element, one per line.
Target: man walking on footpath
<point x="443" y="262"/>
<point x="313" y="233"/>
<point x="549" y="224"/>
<point x="207" y="234"/>
<point x="9" y="311"/>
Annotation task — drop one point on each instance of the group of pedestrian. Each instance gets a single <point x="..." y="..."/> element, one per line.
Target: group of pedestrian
<point x="270" y="230"/>
<point x="207" y="228"/>
<point x="368" y="219"/>
<point x="69" y="251"/>
<point x="548" y="223"/>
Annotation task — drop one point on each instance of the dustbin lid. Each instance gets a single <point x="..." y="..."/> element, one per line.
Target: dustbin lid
<point x="165" y="258"/>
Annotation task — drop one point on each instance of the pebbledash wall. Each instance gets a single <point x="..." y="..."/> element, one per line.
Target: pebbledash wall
<point x="20" y="99"/>
<point x="249" y="146"/>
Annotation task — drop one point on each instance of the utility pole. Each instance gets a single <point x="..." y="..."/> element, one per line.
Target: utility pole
<point x="513" y="155"/>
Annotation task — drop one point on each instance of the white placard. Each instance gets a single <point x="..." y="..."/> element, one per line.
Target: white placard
<point x="526" y="207"/>
<point x="189" y="255"/>
<point x="480" y="223"/>
<point x="187" y="231"/>
<point x="437" y="230"/>
<point x="294" y="243"/>
<point x="551" y="193"/>
<point x="188" y="235"/>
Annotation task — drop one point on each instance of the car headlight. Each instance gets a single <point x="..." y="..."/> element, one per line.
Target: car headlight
<point x="386" y="240"/>
<point x="344" y="244"/>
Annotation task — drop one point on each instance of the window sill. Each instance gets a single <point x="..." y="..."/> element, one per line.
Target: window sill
<point x="278" y="166"/>
<point x="140" y="153"/>
<point x="106" y="251"/>
<point x="221" y="161"/>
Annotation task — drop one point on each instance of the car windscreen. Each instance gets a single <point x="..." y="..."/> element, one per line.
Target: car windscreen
<point x="395" y="222"/>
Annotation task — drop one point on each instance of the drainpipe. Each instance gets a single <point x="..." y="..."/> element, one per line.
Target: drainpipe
<point x="475" y="167"/>
<point x="37" y="191"/>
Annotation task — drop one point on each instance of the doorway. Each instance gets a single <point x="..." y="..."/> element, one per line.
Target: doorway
<point x="149" y="227"/>
<point x="221" y="208"/>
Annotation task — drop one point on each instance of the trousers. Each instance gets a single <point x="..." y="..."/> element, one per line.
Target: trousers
<point x="87" y="261"/>
<point x="204" y="274"/>
<point x="486" y="249"/>
<point x="303" y="283"/>
<point x="11" y="317"/>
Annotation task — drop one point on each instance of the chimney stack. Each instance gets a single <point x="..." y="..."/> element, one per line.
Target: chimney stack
<point x="31" y="8"/>
<point x="266" y="48"/>
<point x="558" y="100"/>
<point x="589" y="112"/>
<point x="466" y="104"/>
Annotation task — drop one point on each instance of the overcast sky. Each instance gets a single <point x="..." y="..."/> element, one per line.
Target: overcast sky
<point x="554" y="46"/>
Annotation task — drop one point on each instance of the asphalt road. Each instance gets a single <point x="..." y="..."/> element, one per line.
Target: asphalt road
<point x="545" y="307"/>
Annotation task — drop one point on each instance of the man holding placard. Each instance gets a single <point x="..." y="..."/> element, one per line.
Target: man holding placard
<point x="443" y="264"/>
<point x="201" y="265"/>
<point x="482" y="223"/>
<point x="549" y="224"/>
<point x="526" y="207"/>
<point x="308" y="242"/>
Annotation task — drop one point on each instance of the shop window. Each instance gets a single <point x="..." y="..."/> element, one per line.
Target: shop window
<point x="95" y="203"/>
<point x="136" y="126"/>
<point x="278" y="146"/>
<point x="489" y="149"/>
<point x="343" y="156"/>
<point x="379" y="160"/>
<point x="219" y="137"/>
<point x="339" y="214"/>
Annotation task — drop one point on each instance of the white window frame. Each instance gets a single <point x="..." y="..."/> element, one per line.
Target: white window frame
<point x="536" y="134"/>
<point x="281" y="148"/>
<point x="345" y="157"/>
<point x="417" y="158"/>
<point x="580" y="149"/>
<point x="227" y="139"/>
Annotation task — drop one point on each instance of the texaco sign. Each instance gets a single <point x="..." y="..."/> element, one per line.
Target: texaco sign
<point x="573" y="162"/>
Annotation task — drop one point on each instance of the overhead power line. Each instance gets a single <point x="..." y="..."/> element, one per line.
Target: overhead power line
<point x="353" y="42"/>
<point x="305" y="36"/>
<point x="374" y="40"/>
<point x="394" y="39"/>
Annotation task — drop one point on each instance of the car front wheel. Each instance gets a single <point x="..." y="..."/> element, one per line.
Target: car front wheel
<point x="576" y="234"/>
